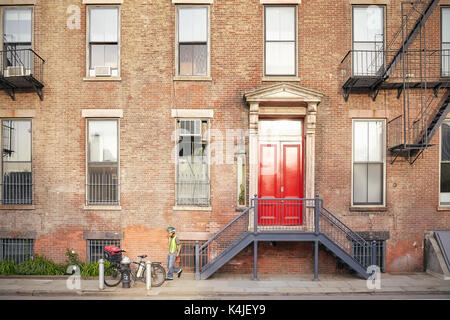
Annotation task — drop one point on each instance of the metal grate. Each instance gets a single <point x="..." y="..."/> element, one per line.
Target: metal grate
<point x="16" y="250"/>
<point x="95" y="248"/>
<point x="360" y="254"/>
<point x="187" y="255"/>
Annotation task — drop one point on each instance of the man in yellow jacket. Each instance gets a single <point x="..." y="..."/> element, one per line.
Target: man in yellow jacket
<point x="174" y="253"/>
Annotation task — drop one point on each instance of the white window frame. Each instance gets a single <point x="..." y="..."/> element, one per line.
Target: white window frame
<point x="208" y="153"/>
<point x="353" y="33"/>
<point x="296" y="67"/>
<point x="444" y="73"/>
<point x="2" y="12"/>
<point x="179" y="76"/>
<point x="31" y="161"/>
<point x="445" y="204"/>
<point x="88" y="43"/>
<point x="100" y="206"/>
<point x="383" y="204"/>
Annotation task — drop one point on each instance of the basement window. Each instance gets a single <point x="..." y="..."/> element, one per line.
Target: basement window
<point x="17" y="250"/>
<point x="360" y="255"/>
<point x="95" y="248"/>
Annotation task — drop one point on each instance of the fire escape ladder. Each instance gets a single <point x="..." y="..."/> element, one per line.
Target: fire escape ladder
<point x="412" y="35"/>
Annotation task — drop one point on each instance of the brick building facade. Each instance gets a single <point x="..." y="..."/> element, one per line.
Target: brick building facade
<point x="244" y="62"/>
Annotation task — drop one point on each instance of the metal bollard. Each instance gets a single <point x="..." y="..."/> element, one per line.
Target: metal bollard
<point x="148" y="274"/>
<point x="101" y="274"/>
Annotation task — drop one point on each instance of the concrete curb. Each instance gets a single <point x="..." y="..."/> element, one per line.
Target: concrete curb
<point x="56" y="293"/>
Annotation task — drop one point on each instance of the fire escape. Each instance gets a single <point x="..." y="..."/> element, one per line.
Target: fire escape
<point x="21" y="69"/>
<point x="420" y="75"/>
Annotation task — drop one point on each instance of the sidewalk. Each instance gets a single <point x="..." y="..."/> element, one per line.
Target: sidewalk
<point x="223" y="285"/>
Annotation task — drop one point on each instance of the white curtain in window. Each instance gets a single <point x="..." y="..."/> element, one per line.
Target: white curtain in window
<point x="368" y="23"/>
<point x="103" y="24"/>
<point x="280" y="23"/>
<point x="17" y="25"/>
<point x="192" y="25"/>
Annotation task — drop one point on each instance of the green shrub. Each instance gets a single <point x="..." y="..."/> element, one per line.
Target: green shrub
<point x="7" y="267"/>
<point x="39" y="266"/>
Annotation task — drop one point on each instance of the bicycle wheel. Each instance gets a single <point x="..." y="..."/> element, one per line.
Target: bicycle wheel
<point x="112" y="276"/>
<point x="158" y="275"/>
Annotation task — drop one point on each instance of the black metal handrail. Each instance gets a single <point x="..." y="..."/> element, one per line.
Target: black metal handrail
<point x="325" y="223"/>
<point x="22" y="62"/>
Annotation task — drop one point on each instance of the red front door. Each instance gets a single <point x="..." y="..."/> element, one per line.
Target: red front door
<point x="280" y="177"/>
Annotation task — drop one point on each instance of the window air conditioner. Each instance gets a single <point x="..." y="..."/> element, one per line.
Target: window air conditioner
<point x="16" y="71"/>
<point x="102" y="71"/>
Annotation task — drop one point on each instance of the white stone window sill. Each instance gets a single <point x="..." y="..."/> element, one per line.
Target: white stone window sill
<point x="17" y="207"/>
<point x="191" y="208"/>
<point x="280" y="78"/>
<point x="443" y="208"/>
<point x="101" y="79"/>
<point x="368" y="208"/>
<point x="191" y="78"/>
<point x="104" y="208"/>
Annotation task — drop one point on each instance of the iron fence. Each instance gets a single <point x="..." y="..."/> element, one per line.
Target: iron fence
<point x="187" y="255"/>
<point x="16" y="250"/>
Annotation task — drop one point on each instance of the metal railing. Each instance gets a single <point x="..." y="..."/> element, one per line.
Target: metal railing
<point x="324" y="222"/>
<point x="222" y="240"/>
<point x="102" y="189"/>
<point x="353" y="244"/>
<point x="395" y="132"/>
<point x="17" y="188"/>
<point x="420" y="65"/>
<point x="22" y="62"/>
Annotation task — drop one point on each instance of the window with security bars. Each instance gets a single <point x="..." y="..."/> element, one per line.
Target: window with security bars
<point x="95" y="248"/>
<point x="16" y="250"/>
<point x="103" y="162"/>
<point x="17" y="177"/>
<point x="192" y="180"/>
<point x="360" y="254"/>
<point x="187" y="255"/>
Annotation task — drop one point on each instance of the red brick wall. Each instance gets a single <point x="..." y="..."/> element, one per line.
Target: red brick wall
<point x="147" y="93"/>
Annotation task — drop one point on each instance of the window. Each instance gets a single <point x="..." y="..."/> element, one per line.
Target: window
<point x="241" y="174"/>
<point x="280" y="40"/>
<point x="445" y="37"/>
<point x="368" y="162"/>
<point x="103" y="163"/>
<point x="16" y="250"/>
<point x="103" y="41"/>
<point x="192" y="182"/>
<point x="368" y="40"/>
<point x="364" y="255"/>
<point x="187" y="255"/>
<point x="17" y="36"/>
<point x="95" y="248"/>
<point x="444" y="197"/>
<point x="17" y="178"/>
<point x="192" y="35"/>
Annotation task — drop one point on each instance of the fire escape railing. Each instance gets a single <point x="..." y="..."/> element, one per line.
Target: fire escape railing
<point x="21" y="68"/>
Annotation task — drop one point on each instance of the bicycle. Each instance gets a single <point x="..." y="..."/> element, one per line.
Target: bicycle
<point x="113" y="273"/>
<point x="158" y="273"/>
